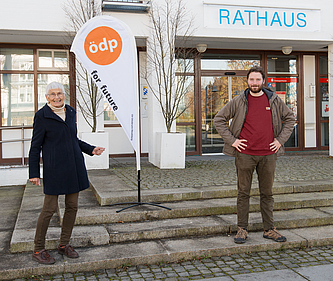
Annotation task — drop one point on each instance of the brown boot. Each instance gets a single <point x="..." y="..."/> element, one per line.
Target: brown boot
<point x="43" y="257"/>
<point x="241" y="235"/>
<point x="68" y="251"/>
<point x="274" y="234"/>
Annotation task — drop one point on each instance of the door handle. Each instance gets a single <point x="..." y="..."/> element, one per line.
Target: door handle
<point x="230" y="73"/>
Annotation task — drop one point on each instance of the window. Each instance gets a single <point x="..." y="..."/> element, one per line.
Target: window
<point x="228" y="61"/>
<point x="22" y="90"/>
<point x="16" y="59"/>
<point x="185" y="88"/>
<point x="281" y="64"/>
<point x="53" y="59"/>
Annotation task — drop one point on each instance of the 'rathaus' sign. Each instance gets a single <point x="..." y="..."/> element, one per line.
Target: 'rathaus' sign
<point x="263" y="18"/>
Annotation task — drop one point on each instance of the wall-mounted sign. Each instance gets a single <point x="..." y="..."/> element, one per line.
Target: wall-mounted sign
<point x="263" y="18"/>
<point x="282" y="80"/>
<point x="144" y="92"/>
<point x="323" y="80"/>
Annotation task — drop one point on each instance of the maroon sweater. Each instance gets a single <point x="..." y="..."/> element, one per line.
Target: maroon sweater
<point x="258" y="127"/>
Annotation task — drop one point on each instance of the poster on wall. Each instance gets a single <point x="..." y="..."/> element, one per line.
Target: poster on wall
<point x="325" y="109"/>
<point x="281" y="95"/>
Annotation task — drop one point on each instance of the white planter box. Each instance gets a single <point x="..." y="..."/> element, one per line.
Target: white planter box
<point x="170" y="150"/>
<point x="97" y="161"/>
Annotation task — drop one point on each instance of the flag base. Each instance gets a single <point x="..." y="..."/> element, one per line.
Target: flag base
<point x="134" y="204"/>
<point x="139" y="203"/>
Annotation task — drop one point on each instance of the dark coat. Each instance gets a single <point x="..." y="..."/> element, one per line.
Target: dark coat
<point x="64" y="171"/>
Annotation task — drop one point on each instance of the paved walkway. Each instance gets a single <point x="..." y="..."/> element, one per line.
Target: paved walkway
<point x="293" y="264"/>
<point x="210" y="171"/>
<point x="315" y="264"/>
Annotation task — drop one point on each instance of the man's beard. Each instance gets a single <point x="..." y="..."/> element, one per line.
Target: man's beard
<point x="257" y="89"/>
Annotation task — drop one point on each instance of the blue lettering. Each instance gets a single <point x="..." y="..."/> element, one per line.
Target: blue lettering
<point x="224" y="16"/>
<point x="248" y="11"/>
<point x="238" y="14"/>
<point x="276" y="18"/>
<point x="292" y="19"/>
<point x="301" y="19"/>
<point x="262" y="18"/>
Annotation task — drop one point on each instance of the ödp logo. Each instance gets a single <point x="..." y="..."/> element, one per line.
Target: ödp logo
<point x="103" y="45"/>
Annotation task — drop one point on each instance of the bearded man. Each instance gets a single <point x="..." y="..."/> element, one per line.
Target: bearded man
<point x="261" y="124"/>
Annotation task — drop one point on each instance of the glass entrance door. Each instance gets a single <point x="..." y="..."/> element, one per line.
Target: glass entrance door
<point x="216" y="93"/>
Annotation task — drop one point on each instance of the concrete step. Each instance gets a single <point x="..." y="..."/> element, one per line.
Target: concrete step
<point x="91" y="213"/>
<point x="109" y="189"/>
<point x="155" y="227"/>
<point x="98" y="225"/>
<point x="95" y="235"/>
<point x="14" y="266"/>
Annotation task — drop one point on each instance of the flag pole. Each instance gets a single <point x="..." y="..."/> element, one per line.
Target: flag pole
<point x="138" y="158"/>
<point x="138" y="167"/>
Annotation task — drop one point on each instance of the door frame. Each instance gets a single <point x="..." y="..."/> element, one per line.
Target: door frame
<point x="198" y="73"/>
<point x="214" y="73"/>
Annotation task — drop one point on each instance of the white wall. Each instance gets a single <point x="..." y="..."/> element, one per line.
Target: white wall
<point x="323" y="6"/>
<point x="118" y="141"/>
<point x="138" y="23"/>
<point x="44" y="15"/>
<point x="33" y="15"/>
<point x="309" y="102"/>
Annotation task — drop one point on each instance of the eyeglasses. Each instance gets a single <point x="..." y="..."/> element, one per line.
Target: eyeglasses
<point x="53" y="95"/>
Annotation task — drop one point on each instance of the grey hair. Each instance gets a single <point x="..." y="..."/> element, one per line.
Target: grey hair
<point x="55" y="85"/>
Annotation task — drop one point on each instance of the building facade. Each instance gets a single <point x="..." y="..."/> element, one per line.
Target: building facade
<point x="291" y="40"/>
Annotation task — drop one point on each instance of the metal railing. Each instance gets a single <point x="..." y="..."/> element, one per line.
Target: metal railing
<point x="129" y="1"/>
<point x="22" y="139"/>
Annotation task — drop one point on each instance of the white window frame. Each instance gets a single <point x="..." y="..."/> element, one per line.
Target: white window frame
<point x="53" y="67"/>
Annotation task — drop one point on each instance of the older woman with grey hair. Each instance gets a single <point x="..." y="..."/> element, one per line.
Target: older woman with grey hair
<point x="64" y="171"/>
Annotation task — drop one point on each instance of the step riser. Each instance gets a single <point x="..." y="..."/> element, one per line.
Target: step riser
<point x="113" y="217"/>
<point x="213" y="230"/>
<point x="201" y="193"/>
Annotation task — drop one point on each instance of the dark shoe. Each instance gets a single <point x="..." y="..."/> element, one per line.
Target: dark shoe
<point x="68" y="251"/>
<point x="240" y="236"/>
<point x="43" y="256"/>
<point x="274" y="234"/>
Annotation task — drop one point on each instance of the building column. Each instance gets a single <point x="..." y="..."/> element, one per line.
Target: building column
<point x="330" y="90"/>
<point x="156" y="121"/>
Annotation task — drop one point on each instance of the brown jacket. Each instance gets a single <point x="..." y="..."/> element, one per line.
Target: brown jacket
<point x="236" y="110"/>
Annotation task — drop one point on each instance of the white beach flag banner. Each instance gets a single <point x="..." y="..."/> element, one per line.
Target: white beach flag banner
<point x="106" y="48"/>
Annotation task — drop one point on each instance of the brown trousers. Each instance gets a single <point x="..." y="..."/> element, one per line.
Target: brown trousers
<point x="265" y="167"/>
<point x="49" y="208"/>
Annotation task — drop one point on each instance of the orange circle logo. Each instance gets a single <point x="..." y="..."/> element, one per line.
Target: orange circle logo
<point x="103" y="45"/>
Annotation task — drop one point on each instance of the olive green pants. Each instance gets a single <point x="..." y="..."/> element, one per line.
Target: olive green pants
<point x="49" y="208"/>
<point x="265" y="168"/>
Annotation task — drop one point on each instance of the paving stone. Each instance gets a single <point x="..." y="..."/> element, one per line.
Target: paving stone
<point x="194" y="272"/>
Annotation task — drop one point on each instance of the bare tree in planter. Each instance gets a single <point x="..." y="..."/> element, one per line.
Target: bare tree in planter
<point x="168" y="52"/>
<point x="78" y="13"/>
